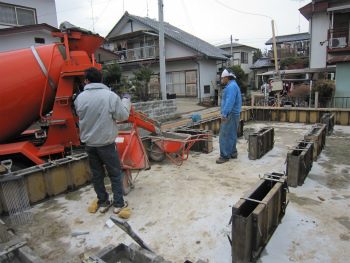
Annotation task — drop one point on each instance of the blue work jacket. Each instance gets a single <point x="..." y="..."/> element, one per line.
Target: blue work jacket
<point x="231" y="99"/>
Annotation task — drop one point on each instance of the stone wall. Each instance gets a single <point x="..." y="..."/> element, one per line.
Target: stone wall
<point x="158" y="110"/>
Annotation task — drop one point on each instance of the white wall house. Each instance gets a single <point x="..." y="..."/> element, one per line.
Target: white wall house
<point x="26" y="23"/>
<point x="241" y="55"/>
<point x="190" y="62"/>
<point x="329" y="26"/>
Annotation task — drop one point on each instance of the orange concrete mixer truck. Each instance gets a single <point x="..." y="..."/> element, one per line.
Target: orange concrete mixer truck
<point x="37" y="86"/>
<point x="39" y="131"/>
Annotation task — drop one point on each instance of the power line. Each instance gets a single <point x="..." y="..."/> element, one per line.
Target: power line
<point x="187" y="17"/>
<point x="101" y="13"/>
<point x="247" y="13"/>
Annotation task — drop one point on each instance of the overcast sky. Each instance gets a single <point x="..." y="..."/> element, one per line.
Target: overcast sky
<point x="214" y="21"/>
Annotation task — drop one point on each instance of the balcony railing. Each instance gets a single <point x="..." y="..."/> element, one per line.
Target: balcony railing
<point x="338" y="38"/>
<point x="141" y="53"/>
<point x="290" y="52"/>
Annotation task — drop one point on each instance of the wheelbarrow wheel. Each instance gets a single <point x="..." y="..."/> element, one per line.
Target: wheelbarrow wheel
<point x="156" y="154"/>
<point x="127" y="182"/>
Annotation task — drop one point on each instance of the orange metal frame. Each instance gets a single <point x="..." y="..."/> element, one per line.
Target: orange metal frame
<point x="63" y="131"/>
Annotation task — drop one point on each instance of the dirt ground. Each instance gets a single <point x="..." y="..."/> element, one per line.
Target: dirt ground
<point x="182" y="212"/>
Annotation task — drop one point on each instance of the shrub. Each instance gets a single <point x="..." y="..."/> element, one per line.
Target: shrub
<point x="324" y="87"/>
<point x="301" y="90"/>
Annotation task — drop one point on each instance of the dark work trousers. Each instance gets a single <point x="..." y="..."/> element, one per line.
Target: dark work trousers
<point x="228" y="136"/>
<point x="106" y="155"/>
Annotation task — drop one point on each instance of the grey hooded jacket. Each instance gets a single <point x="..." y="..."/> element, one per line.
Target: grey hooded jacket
<point x="99" y="109"/>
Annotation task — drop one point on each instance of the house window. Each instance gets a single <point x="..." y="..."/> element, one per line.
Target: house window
<point x="182" y="83"/>
<point x="191" y="83"/>
<point x="39" y="40"/>
<point x="175" y="83"/>
<point x="206" y="89"/>
<point x="244" y="57"/>
<point x="18" y="16"/>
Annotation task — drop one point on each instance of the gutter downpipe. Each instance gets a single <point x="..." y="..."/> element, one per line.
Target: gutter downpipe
<point x="199" y="81"/>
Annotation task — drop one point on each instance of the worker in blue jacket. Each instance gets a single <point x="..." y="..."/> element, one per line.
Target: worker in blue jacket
<point x="230" y="115"/>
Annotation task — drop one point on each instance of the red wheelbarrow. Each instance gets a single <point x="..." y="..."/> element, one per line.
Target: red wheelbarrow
<point x="178" y="144"/>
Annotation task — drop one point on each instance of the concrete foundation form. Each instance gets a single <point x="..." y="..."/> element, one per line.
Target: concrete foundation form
<point x="298" y="115"/>
<point x="259" y="143"/>
<point x="50" y="179"/>
<point x="318" y="135"/>
<point x="328" y="119"/>
<point x="256" y="216"/>
<point x="299" y="162"/>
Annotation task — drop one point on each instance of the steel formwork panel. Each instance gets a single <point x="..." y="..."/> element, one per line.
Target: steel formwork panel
<point x="256" y="216"/>
<point x="318" y="135"/>
<point x="259" y="143"/>
<point x="299" y="162"/>
<point x="328" y="119"/>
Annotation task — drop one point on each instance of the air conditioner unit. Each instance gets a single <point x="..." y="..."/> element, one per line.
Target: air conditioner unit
<point x="339" y="42"/>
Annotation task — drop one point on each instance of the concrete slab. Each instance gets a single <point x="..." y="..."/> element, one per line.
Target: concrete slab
<point x="182" y="212"/>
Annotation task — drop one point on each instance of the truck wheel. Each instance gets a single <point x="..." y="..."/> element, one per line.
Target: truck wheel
<point x="156" y="154"/>
<point x="127" y="182"/>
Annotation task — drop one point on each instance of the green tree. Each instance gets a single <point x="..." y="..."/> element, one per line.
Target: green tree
<point x="325" y="90"/>
<point x="123" y="87"/>
<point x="240" y="75"/>
<point x="112" y="76"/>
<point x="257" y="55"/>
<point x="141" y="80"/>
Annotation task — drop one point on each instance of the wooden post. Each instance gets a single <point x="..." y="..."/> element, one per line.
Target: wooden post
<point x="274" y="45"/>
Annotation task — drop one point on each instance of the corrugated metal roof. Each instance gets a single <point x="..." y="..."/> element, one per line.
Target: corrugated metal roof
<point x="183" y="38"/>
<point x="262" y="63"/>
<point x="289" y="38"/>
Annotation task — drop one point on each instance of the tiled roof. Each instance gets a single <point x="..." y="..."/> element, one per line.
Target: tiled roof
<point x="289" y="38"/>
<point x="235" y="45"/>
<point x="183" y="38"/>
<point x="262" y="63"/>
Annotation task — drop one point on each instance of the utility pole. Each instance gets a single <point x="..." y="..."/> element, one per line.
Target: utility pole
<point x="161" y="51"/>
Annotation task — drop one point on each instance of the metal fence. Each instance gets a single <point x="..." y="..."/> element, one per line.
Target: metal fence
<point x="305" y="101"/>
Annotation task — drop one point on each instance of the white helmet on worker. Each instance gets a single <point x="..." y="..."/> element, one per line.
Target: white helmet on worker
<point x="226" y="73"/>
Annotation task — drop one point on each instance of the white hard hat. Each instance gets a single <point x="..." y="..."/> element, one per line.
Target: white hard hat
<point x="226" y="73"/>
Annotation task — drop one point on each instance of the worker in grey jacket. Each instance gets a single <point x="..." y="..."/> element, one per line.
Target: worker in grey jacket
<point x="99" y="109"/>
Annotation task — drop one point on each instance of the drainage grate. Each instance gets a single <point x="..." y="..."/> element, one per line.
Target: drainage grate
<point x="17" y="201"/>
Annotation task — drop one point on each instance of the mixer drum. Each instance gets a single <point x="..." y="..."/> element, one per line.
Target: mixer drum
<point x="22" y="87"/>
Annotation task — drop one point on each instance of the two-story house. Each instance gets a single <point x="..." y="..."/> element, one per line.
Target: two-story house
<point x="260" y="66"/>
<point x="26" y="23"/>
<point x="330" y="46"/>
<point x="191" y="63"/>
<point x="241" y="55"/>
<point x="29" y="23"/>
<point x="290" y="46"/>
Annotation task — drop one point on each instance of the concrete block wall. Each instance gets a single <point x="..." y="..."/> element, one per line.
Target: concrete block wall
<point x="157" y="110"/>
